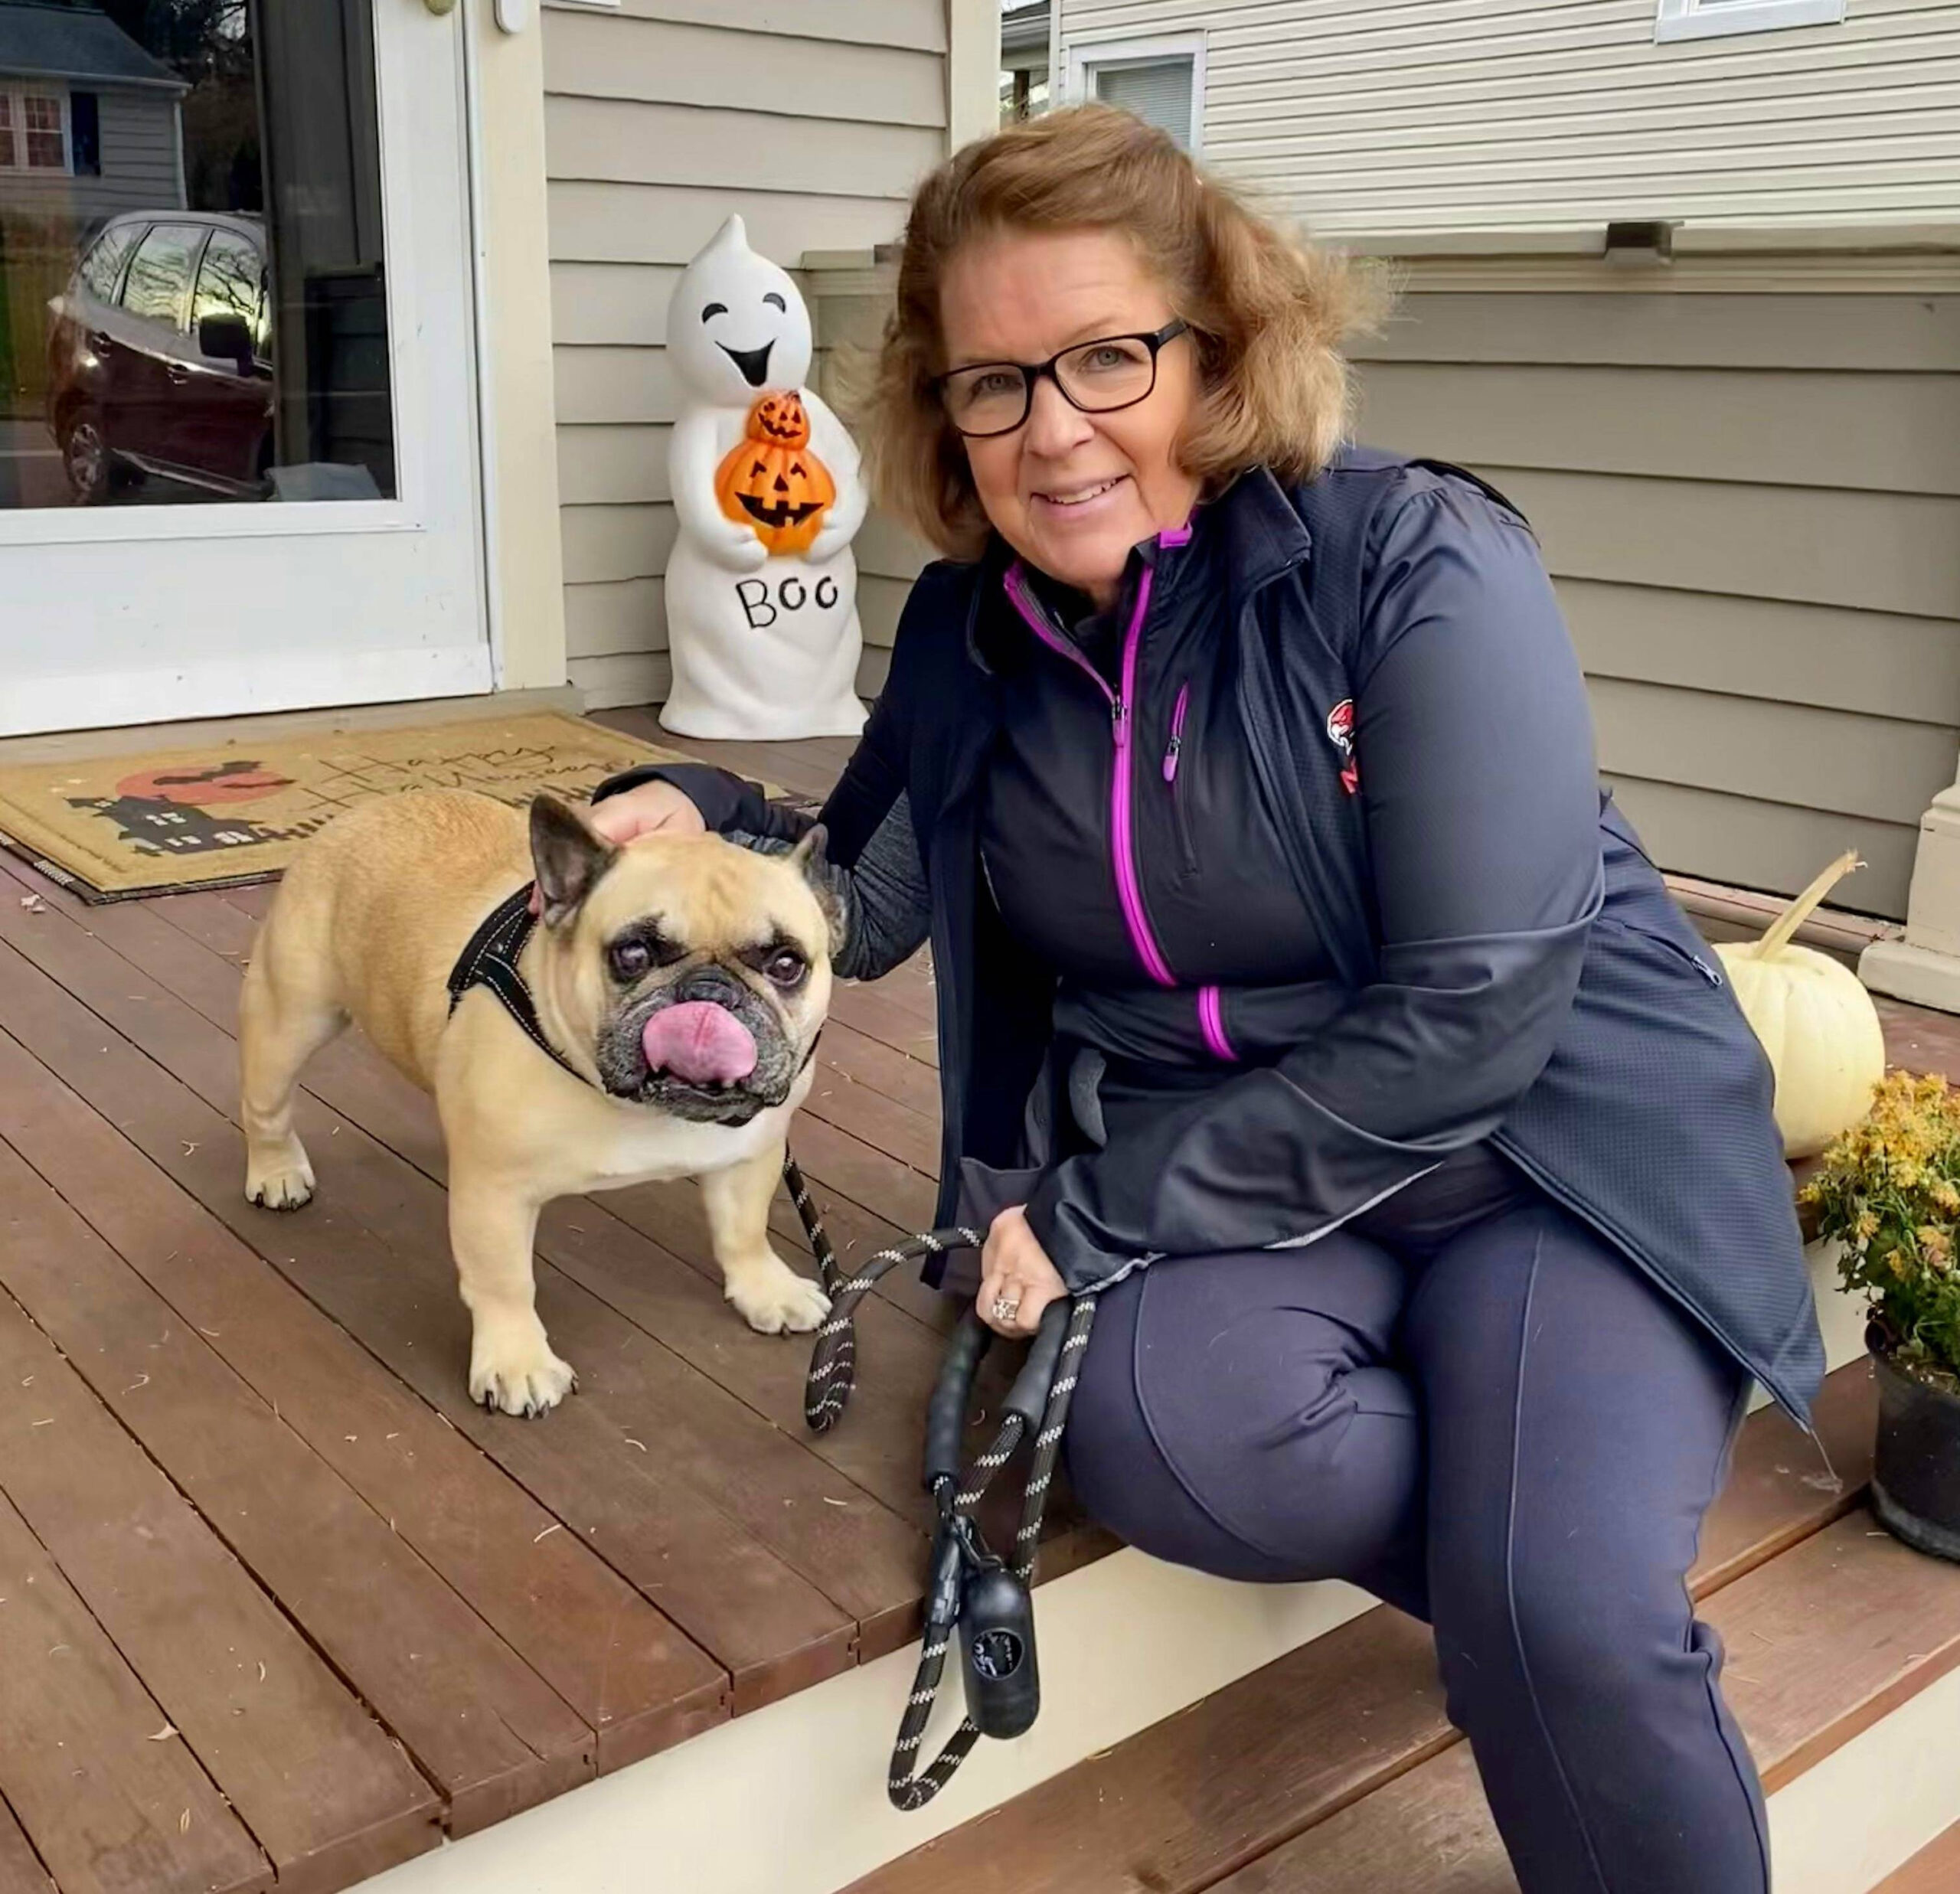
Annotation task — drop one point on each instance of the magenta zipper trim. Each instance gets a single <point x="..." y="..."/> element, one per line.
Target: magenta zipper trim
<point x="1122" y="841"/>
<point x="1122" y="815"/>
<point x="1211" y="1023"/>
<point x="1176" y="732"/>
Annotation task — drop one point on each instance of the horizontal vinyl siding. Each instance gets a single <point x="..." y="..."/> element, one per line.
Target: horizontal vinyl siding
<point x="1389" y="116"/>
<point x="138" y="164"/>
<point x="811" y="121"/>
<point x="1751" y="507"/>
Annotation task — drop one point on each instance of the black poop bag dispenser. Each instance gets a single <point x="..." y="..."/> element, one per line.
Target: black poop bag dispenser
<point x="976" y="1594"/>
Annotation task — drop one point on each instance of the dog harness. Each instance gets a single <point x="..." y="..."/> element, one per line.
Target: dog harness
<point x="491" y="960"/>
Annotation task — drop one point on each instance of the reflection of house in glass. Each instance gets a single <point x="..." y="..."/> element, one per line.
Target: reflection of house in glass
<point x="90" y="124"/>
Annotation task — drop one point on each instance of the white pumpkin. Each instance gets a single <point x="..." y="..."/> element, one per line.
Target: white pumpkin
<point x="1815" y="1021"/>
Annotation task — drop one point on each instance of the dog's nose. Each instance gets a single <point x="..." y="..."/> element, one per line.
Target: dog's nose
<point x="713" y="984"/>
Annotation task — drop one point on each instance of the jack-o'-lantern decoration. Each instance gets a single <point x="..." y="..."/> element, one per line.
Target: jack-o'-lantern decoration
<point x="771" y="481"/>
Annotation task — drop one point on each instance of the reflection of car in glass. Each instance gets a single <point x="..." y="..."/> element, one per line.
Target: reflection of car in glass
<point x="159" y="356"/>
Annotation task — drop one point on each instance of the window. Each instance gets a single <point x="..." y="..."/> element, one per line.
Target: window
<point x="85" y="134"/>
<point x="1161" y="81"/>
<point x="160" y="274"/>
<point x="48" y="139"/>
<point x="33" y="130"/>
<point x="231" y="281"/>
<point x="101" y="269"/>
<point x="1713" y="19"/>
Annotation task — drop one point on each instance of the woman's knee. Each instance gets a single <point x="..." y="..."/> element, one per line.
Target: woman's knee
<point x="1237" y="1415"/>
<point x="1559" y="1638"/>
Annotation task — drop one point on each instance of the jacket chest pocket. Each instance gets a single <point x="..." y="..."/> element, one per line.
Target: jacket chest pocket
<point x="1176" y="780"/>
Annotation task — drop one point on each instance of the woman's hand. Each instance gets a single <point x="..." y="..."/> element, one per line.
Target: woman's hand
<point x="1017" y="1280"/>
<point x="654" y="807"/>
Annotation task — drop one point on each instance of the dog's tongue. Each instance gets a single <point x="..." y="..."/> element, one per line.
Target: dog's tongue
<point x="700" y="1041"/>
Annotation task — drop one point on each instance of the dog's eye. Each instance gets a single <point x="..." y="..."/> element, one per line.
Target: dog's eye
<point x="784" y="968"/>
<point x="631" y="959"/>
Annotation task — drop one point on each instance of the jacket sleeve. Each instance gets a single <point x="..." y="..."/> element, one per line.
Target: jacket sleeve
<point x="871" y="847"/>
<point x="1473" y="740"/>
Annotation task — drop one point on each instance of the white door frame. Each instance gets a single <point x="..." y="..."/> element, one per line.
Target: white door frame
<point x="429" y="543"/>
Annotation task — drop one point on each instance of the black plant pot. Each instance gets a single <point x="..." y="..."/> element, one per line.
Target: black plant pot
<point x="1915" y="1471"/>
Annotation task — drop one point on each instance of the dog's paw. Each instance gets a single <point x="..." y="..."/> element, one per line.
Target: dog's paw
<point x="777" y="1302"/>
<point x="513" y="1371"/>
<point x="278" y="1180"/>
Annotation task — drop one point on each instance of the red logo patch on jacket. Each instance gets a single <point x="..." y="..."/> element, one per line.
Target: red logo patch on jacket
<point x="1341" y="734"/>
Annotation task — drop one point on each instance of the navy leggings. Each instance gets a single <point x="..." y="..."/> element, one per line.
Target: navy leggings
<point x="1513" y="1438"/>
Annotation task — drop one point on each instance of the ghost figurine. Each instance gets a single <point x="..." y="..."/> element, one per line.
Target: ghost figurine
<point x="762" y="588"/>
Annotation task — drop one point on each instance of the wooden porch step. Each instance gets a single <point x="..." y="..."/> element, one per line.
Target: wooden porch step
<point x="1935" y="1869"/>
<point x="1334" y="1769"/>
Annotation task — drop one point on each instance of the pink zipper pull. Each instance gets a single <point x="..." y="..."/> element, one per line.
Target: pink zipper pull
<point x="1176" y="743"/>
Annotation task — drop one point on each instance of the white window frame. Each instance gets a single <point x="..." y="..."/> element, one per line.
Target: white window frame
<point x="18" y="92"/>
<point x="1720" y="19"/>
<point x="1085" y="57"/>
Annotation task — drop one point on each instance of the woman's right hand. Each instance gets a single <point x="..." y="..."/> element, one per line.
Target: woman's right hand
<point x="653" y="809"/>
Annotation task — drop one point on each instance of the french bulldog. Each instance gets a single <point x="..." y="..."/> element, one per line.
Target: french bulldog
<point x="682" y="980"/>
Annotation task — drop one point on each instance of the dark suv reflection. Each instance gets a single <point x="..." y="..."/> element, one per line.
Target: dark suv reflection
<point x="159" y="356"/>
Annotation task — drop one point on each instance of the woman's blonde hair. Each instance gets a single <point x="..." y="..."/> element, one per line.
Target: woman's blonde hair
<point x="1268" y="314"/>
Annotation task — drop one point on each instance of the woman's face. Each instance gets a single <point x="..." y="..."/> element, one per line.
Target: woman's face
<point x="1072" y="492"/>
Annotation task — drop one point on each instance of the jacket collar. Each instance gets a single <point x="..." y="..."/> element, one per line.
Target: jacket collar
<point x="1248" y="534"/>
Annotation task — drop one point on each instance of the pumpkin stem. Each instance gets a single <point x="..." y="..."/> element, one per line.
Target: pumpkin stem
<point x="1785" y="924"/>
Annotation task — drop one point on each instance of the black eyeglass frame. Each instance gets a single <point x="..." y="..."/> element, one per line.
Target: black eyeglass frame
<point x="1032" y="372"/>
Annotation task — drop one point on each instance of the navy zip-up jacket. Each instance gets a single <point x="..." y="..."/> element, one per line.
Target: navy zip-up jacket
<point x="1506" y="964"/>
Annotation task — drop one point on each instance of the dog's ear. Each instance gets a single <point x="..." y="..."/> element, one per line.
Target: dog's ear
<point x="826" y="883"/>
<point x="568" y="856"/>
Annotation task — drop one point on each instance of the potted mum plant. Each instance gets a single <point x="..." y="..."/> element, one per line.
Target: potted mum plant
<point x="1889" y="1191"/>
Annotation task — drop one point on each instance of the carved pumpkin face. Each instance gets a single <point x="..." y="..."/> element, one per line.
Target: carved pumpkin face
<point x="771" y="482"/>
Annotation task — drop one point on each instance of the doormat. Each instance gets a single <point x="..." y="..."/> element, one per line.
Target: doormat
<point x="228" y="816"/>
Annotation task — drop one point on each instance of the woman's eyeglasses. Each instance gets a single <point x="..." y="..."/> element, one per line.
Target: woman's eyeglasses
<point x="1098" y="377"/>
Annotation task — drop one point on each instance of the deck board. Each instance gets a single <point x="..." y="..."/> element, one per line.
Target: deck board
<point x="633" y="1251"/>
<point x="488" y="1729"/>
<point x="151" y="1821"/>
<point x="632" y="1674"/>
<point x="21" y="1870"/>
<point x="1821" y="1642"/>
<point x="371" y="1252"/>
<point x="1935" y="1869"/>
<point x="317" y="1781"/>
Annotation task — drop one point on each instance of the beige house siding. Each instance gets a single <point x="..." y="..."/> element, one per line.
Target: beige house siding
<point x="1380" y="117"/>
<point x="1751" y="505"/>
<point x="812" y="122"/>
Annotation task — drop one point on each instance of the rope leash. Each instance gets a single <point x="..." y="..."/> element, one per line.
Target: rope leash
<point x="974" y="1596"/>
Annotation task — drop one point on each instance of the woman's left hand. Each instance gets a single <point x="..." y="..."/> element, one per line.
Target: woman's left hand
<point x="1017" y="1280"/>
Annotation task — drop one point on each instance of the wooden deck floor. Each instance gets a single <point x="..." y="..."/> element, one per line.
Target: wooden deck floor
<point x="278" y="1604"/>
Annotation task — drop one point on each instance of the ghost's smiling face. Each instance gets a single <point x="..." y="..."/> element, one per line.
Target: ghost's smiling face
<point x="735" y="325"/>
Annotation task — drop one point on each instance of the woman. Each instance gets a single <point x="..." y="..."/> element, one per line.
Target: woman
<point x="1285" y="944"/>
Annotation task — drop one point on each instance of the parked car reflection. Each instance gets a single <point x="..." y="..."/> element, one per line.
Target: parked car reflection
<point x="160" y="358"/>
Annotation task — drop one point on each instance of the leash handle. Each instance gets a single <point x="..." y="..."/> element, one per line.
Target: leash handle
<point x="1029" y="1396"/>
<point x="945" y="1412"/>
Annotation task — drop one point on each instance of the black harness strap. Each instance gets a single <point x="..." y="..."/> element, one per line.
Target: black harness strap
<point x="491" y="960"/>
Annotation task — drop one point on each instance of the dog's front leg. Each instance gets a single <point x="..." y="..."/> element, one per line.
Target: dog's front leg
<point x="770" y="1294"/>
<point x="491" y="1232"/>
